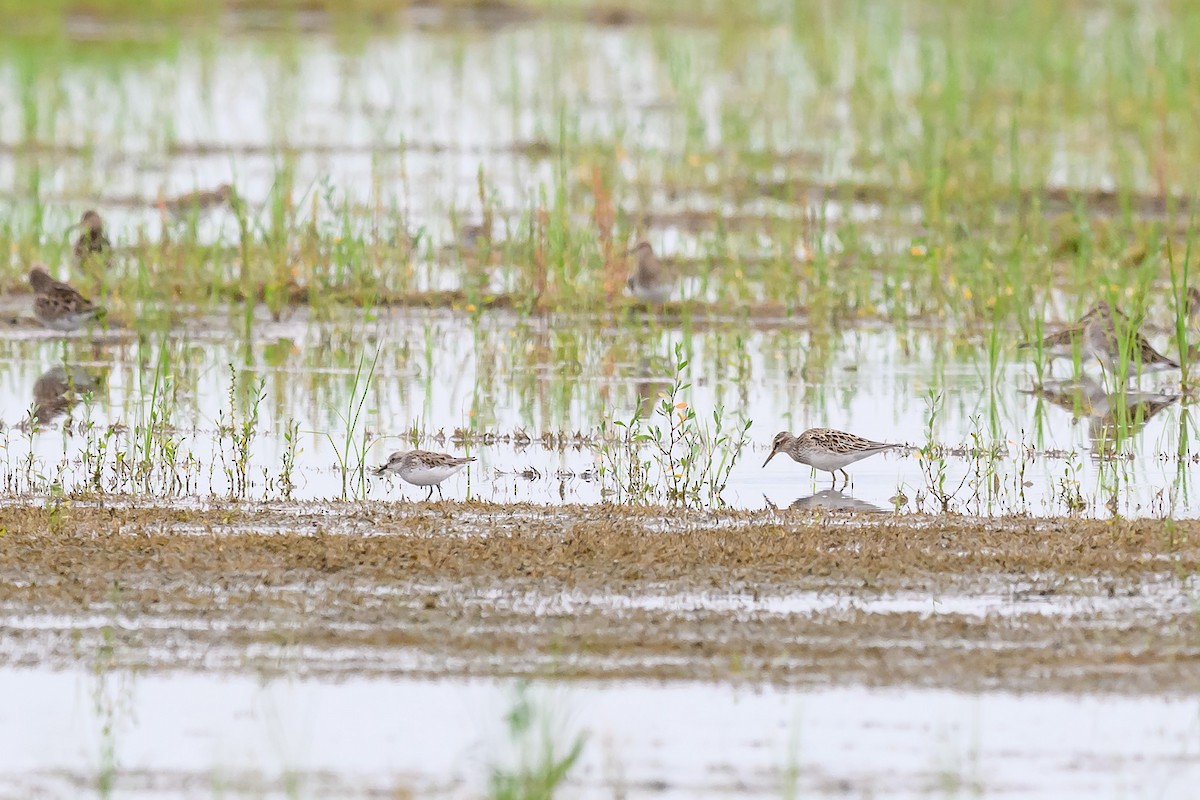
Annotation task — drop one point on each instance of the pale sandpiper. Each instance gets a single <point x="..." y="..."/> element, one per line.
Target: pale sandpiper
<point x="826" y="449"/>
<point x="423" y="468"/>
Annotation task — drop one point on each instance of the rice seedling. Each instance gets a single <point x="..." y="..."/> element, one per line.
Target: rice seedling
<point x="542" y="756"/>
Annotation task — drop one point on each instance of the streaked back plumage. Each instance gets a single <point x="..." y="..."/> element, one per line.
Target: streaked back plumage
<point x="826" y="448"/>
<point x="423" y="467"/>
<point x="1103" y="340"/>
<point x="56" y="304"/>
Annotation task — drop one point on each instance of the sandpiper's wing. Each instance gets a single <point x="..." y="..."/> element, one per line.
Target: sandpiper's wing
<point x="1150" y="357"/>
<point x="647" y="280"/>
<point x="184" y="201"/>
<point x="198" y="201"/>
<point x="842" y="443"/>
<point x="56" y="311"/>
<point x="66" y="298"/>
<point x="1059" y="340"/>
<point x="56" y="302"/>
<point x="1067" y="338"/>
<point x="649" y="268"/>
<point x="432" y="459"/>
<point x="1104" y="340"/>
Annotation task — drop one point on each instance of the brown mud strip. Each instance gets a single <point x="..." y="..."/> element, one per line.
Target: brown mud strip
<point x="605" y="592"/>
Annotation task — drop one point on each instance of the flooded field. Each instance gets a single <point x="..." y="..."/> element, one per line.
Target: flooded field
<point x="439" y="261"/>
<point x="291" y="411"/>
<point x="329" y="233"/>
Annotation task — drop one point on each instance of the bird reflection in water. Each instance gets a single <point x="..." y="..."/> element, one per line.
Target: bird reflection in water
<point x="649" y="390"/>
<point x="1110" y="416"/>
<point x="57" y="391"/>
<point x="832" y="500"/>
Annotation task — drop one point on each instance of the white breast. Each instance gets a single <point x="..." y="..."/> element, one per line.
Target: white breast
<point x="428" y="476"/>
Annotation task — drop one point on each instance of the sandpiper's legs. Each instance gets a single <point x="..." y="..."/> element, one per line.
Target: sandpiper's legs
<point x="439" y="488"/>
<point x="846" y="475"/>
<point x="429" y="496"/>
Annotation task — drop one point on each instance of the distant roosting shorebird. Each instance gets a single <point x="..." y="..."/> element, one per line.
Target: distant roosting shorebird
<point x="56" y="304"/>
<point x="647" y="282"/>
<point x="1068" y="342"/>
<point x="198" y="202"/>
<point x="92" y="248"/>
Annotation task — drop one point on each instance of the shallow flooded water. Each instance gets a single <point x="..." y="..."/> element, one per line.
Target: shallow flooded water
<point x="505" y="183"/>
<point x="220" y="736"/>
<point x="528" y="399"/>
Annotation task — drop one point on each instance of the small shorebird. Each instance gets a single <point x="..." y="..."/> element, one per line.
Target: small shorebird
<point x="1102" y="340"/>
<point x="92" y="246"/>
<point x="1067" y="342"/>
<point x="647" y="282"/>
<point x="826" y="449"/>
<point x="471" y="237"/>
<point x="56" y="305"/>
<point x="198" y="202"/>
<point x="423" y="468"/>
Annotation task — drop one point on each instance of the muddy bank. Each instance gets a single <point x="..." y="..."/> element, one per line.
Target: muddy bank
<point x="468" y="589"/>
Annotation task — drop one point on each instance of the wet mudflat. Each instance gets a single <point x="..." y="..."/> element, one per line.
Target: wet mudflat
<point x="478" y="590"/>
<point x="750" y="654"/>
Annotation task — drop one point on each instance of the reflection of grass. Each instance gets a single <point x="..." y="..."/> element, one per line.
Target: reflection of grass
<point x="110" y="696"/>
<point x="353" y="470"/>
<point x="692" y="460"/>
<point x="957" y="770"/>
<point x="792" y="770"/>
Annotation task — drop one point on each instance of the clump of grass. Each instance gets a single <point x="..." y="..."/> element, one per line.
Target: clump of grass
<point x="239" y="424"/>
<point x="688" y="464"/>
<point x="354" y="478"/>
<point x="542" y="755"/>
<point x="287" y="465"/>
